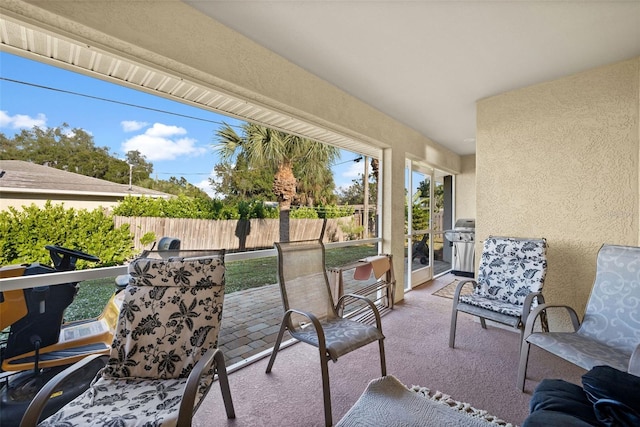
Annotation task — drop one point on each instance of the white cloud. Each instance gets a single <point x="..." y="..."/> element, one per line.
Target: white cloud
<point x="164" y="131"/>
<point x="159" y="143"/>
<point x="205" y="186"/>
<point x="355" y="170"/>
<point x="22" y="121"/>
<point x="132" y="125"/>
<point x="346" y="173"/>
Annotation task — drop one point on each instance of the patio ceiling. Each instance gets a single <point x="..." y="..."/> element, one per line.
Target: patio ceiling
<point x="44" y="45"/>
<point x="423" y="63"/>
<point x="426" y="63"/>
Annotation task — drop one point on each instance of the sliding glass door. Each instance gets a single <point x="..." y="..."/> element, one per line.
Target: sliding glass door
<point x="427" y="213"/>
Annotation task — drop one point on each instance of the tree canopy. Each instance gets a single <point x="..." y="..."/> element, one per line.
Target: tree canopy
<point x="299" y="168"/>
<point x="74" y="150"/>
<point x="238" y="182"/>
<point x="290" y="155"/>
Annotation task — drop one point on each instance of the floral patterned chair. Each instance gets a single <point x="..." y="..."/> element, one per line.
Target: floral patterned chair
<point x="508" y="285"/>
<point x="310" y="315"/>
<point x="610" y="330"/>
<point x="164" y="356"/>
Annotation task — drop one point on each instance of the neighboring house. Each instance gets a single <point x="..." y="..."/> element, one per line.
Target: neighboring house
<point x="23" y="183"/>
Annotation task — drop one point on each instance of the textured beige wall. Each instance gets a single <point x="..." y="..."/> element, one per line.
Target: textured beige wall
<point x="466" y="188"/>
<point x="560" y="160"/>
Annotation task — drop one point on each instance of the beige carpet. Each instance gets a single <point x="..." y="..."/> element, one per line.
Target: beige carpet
<point x="447" y="291"/>
<point x="386" y="401"/>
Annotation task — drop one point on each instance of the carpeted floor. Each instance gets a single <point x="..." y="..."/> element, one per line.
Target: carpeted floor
<point x="480" y="370"/>
<point x="448" y="290"/>
<point x="461" y="407"/>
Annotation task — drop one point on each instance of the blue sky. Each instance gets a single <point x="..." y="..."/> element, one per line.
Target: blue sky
<point x="176" y="145"/>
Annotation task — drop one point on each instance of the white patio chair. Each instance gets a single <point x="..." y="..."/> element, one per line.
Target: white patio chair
<point x="610" y="330"/>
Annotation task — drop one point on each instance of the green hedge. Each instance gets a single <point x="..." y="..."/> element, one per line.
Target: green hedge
<point x="25" y="233"/>
<point x="199" y="208"/>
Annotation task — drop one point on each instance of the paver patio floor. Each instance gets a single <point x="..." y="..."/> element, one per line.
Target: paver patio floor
<point x="251" y="320"/>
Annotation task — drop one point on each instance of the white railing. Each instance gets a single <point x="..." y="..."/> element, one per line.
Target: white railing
<point x="57" y="278"/>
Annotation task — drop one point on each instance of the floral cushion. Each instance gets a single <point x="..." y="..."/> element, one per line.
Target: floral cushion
<point x="128" y="402"/>
<point x="169" y="318"/>
<point x="509" y="270"/>
<point x="509" y="309"/>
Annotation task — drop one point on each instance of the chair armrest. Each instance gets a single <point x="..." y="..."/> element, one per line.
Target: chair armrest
<point x="528" y="302"/>
<point x="372" y="306"/>
<point x="185" y="414"/>
<point x="634" y="362"/>
<point x="314" y="320"/>
<point x="536" y="312"/>
<point x="35" y="408"/>
<point x="456" y="295"/>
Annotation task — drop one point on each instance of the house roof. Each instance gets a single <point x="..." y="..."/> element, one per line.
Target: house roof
<point x="18" y="176"/>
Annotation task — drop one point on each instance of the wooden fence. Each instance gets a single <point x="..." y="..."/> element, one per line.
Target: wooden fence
<point x="231" y="234"/>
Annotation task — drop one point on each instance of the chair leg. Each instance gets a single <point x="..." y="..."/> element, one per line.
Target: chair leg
<point x="383" y="361"/>
<point x="452" y="330"/>
<point x="276" y="347"/>
<point x="522" y="367"/>
<point x="223" y="379"/>
<point x="326" y="391"/>
<point x="521" y="339"/>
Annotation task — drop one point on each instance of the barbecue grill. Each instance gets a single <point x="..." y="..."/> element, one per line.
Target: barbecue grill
<point x="462" y="238"/>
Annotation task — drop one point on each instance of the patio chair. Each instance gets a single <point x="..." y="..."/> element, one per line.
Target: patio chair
<point x="310" y="315"/>
<point x="164" y="356"/>
<point x="509" y="283"/>
<point x="610" y="330"/>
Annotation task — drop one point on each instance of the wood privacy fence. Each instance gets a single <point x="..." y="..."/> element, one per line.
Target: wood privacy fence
<point x="231" y="234"/>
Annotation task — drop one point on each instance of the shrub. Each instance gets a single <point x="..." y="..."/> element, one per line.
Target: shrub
<point x="192" y="207"/>
<point x="304" y="212"/>
<point x="24" y="235"/>
<point x="334" y="211"/>
<point x="351" y="231"/>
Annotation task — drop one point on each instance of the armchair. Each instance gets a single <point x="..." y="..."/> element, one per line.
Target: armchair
<point x="610" y="330"/>
<point x="163" y="357"/>
<point x="310" y="315"/>
<point x="509" y="283"/>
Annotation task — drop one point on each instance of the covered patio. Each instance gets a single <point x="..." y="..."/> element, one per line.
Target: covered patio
<point x="533" y="107"/>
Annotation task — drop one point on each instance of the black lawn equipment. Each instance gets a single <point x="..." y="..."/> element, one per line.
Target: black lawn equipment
<point x="421" y="249"/>
<point x="36" y="343"/>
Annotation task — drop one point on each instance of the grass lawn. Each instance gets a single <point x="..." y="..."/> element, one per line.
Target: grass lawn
<point x="240" y="275"/>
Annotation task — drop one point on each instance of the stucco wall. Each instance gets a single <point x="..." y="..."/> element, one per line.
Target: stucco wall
<point x="465" y="202"/>
<point x="75" y="202"/>
<point x="560" y="160"/>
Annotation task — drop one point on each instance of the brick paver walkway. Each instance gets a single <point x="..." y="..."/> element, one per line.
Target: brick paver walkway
<point x="251" y="320"/>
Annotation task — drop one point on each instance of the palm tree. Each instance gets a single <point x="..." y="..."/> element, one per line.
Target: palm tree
<point x="265" y="147"/>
